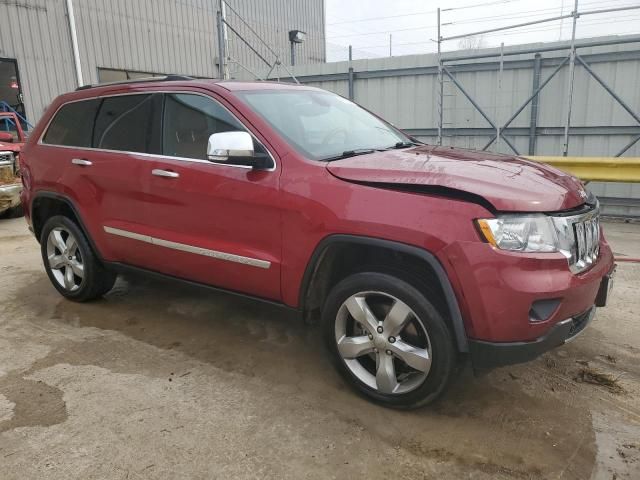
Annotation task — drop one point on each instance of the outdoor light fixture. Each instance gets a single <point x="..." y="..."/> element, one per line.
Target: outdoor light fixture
<point x="295" y="36"/>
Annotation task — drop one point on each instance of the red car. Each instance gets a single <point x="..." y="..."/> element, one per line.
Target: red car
<point x="11" y="142"/>
<point x="414" y="257"/>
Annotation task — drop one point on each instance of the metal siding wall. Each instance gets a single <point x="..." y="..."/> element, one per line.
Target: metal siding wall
<point x="410" y="101"/>
<point x="35" y="33"/>
<point x="163" y="36"/>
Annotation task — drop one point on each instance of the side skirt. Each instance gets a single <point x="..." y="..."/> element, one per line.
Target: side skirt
<point x="129" y="269"/>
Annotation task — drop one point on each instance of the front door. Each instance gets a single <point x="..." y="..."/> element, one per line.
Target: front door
<point x="212" y="223"/>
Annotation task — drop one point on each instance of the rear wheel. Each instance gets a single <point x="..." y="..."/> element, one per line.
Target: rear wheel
<point x="387" y="340"/>
<point x="70" y="262"/>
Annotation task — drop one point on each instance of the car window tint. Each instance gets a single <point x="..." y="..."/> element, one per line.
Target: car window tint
<point x="189" y="120"/>
<point x="129" y="123"/>
<point x="73" y="124"/>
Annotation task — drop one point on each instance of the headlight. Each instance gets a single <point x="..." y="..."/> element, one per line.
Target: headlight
<point x="520" y="233"/>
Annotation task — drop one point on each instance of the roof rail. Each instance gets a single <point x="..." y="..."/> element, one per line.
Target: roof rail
<point x="166" y="78"/>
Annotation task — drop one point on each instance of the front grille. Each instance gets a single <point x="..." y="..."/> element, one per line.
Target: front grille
<point x="6" y="159"/>
<point x="6" y="167"/>
<point x="587" y="233"/>
<point x="579" y="238"/>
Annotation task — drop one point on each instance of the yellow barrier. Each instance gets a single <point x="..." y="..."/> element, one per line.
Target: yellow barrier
<point x="597" y="169"/>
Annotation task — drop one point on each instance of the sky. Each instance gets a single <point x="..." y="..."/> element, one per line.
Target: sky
<point x="412" y="24"/>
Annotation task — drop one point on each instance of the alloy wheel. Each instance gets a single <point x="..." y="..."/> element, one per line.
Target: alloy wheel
<point x="65" y="259"/>
<point x="383" y="342"/>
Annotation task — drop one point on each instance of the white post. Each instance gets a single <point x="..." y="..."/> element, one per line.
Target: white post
<point x="440" y="84"/>
<point x="74" y="43"/>
<point x="572" y="68"/>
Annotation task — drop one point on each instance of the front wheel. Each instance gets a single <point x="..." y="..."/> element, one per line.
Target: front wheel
<point x="70" y="262"/>
<point x="388" y="340"/>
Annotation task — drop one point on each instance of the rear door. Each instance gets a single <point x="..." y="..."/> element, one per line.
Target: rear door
<point x="97" y="151"/>
<point x="213" y="223"/>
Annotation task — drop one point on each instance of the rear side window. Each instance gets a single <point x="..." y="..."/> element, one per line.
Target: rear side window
<point x="129" y="123"/>
<point x="73" y="124"/>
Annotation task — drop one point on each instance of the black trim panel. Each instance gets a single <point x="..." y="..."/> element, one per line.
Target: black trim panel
<point x="452" y="302"/>
<point x="71" y="205"/>
<point x="488" y="355"/>
<point x="124" y="268"/>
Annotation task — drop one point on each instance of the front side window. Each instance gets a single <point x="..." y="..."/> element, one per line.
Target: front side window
<point x="129" y="123"/>
<point x="321" y="125"/>
<point x="189" y="120"/>
<point x="73" y="124"/>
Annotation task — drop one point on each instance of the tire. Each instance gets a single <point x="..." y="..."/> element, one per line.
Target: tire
<point x="374" y="361"/>
<point x="71" y="264"/>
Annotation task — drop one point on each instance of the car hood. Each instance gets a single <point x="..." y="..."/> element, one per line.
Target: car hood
<point x="10" y="147"/>
<point x="507" y="183"/>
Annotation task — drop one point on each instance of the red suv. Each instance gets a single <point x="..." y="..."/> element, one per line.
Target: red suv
<point x="413" y="256"/>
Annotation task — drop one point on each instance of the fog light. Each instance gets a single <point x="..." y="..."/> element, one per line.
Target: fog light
<point x="542" y="310"/>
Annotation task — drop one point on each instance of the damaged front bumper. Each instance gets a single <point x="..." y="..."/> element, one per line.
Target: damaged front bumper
<point x="9" y="196"/>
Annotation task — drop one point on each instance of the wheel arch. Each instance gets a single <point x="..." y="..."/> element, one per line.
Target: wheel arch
<point x="332" y="260"/>
<point x="45" y="205"/>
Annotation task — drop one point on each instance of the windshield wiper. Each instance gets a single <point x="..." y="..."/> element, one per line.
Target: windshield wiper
<point x="351" y="153"/>
<point x="404" y="145"/>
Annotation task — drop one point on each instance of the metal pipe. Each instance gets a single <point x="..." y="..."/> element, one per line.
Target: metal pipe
<point x="225" y="35"/>
<point x="251" y="47"/>
<point x="74" y="43"/>
<point x="627" y="146"/>
<point x="574" y="14"/>
<point x="572" y="68"/>
<point x="602" y="43"/>
<point x="535" y="93"/>
<point x="469" y="97"/>
<point x="221" y="50"/>
<point x="499" y="29"/>
<point x="533" y="119"/>
<point x="499" y="97"/>
<point x="390" y="45"/>
<point x="293" y="53"/>
<point x="246" y="69"/>
<point x="607" y="10"/>
<point x="608" y="89"/>
<point x="350" y="79"/>
<point x="440" y="84"/>
<point x="477" y="107"/>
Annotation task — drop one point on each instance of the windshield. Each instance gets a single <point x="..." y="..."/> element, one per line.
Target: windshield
<point x="322" y="125"/>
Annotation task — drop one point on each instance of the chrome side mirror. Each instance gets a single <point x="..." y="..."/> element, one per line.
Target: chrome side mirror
<point x="227" y="146"/>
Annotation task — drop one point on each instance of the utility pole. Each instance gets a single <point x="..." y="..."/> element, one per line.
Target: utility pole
<point x="351" y="94"/>
<point x="440" y="83"/>
<point x="572" y="69"/>
<point x="223" y="71"/>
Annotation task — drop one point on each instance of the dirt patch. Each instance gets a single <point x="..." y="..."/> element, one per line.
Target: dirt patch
<point x="590" y="375"/>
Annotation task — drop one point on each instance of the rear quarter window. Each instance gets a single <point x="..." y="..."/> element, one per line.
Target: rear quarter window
<point x="72" y="125"/>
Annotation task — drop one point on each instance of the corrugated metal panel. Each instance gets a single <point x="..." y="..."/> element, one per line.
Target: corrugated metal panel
<point x="410" y="101"/>
<point x="163" y="36"/>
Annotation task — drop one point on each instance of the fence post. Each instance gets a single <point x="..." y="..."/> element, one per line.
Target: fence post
<point x="440" y="84"/>
<point x="351" y="96"/>
<point x="572" y="69"/>
<point x="533" y="120"/>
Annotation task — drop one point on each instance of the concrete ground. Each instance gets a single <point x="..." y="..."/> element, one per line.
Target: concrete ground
<point x="161" y="381"/>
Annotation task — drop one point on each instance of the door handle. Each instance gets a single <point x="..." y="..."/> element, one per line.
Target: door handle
<point x="82" y="162"/>
<point x="164" y="173"/>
